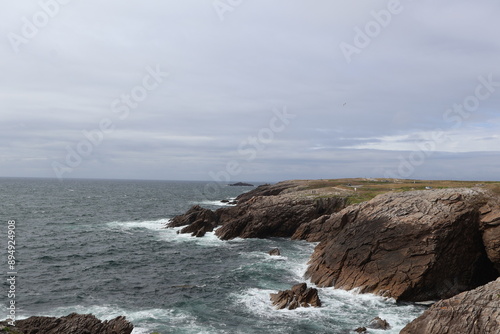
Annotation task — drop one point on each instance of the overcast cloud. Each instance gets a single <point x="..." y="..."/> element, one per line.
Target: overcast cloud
<point x="327" y="89"/>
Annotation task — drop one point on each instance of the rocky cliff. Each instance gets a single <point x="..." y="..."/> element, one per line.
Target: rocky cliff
<point x="413" y="246"/>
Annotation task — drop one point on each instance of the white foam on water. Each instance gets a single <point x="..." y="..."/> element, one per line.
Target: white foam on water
<point x="146" y="224"/>
<point x="214" y="203"/>
<point x="354" y="309"/>
<point x="170" y="234"/>
<point x="208" y="240"/>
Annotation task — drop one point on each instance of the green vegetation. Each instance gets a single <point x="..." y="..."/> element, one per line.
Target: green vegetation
<point x="360" y="190"/>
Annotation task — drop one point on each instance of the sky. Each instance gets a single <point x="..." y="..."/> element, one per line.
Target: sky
<point x="250" y="90"/>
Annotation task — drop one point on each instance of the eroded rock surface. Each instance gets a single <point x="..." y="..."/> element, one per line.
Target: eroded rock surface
<point x="472" y="312"/>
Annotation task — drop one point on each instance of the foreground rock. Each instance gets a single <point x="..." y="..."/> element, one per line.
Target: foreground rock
<point x="472" y="312"/>
<point x="298" y="296"/>
<point x="412" y="246"/>
<point x="74" y="324"/>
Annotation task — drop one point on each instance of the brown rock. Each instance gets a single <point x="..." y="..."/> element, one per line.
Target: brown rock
<point x="360" y="330"/>
<point x="474" y="312"/>
<point x="272" y="216"/>
<point x="413" y="246"/>
<point x="490" y="228"/>
<point x="195" y="214"/>
<point x="74" y="324"/>
<point x="275" y="252"/>
<point x="379" y="323"/>
<point x="198" y="220"/>
<point x="298" y="296"/>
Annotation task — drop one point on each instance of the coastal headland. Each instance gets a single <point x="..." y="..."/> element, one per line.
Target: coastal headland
<point x="410" y="240"/>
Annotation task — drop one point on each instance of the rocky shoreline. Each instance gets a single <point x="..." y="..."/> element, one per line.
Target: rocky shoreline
<point x="73" y="323"/>
<point x="407" y="244"/>
<point x="386" y="237"/>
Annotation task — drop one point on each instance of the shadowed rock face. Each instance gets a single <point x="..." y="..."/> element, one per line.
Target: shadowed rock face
<point x="490" y="228"/>
<point x="410" y="246"/>
<point x="74" y="324"/>
<point x="475" y="312"/>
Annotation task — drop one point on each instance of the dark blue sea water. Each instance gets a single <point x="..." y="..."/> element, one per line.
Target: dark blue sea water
<point x="95" y="246"/>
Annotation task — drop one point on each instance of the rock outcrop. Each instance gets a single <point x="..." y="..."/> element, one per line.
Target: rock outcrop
<point x="74" y="324"/>
<point x="272" y="216"/>
<point x="490" y="228"/>
<point x="275" y="252"/>
<point x="379" y="323"/>
<point x="411" y="246"/>
<point x="298" y="296"/>
<point x="472" y="312"/>
<point x="258" y="217"/>
<point x="198" y="220"/>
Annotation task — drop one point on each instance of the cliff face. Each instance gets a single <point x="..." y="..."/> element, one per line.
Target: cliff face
<point x="412" y="246"/>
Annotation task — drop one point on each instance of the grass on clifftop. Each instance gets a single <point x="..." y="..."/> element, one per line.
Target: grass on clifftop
<point x="361" y="189"/>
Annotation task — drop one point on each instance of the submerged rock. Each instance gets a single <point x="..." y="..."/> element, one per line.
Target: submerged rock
<point x="476" y="311"/>
<point x="298" y="296"/>
<point x="74" y="324"/>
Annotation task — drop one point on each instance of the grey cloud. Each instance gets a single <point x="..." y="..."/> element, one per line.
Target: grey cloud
<point x="227" y="76"/>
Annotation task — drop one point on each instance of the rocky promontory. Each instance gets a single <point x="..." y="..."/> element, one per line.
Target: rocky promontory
<point x="408" y="240"/>
<point x="266" y="211"/>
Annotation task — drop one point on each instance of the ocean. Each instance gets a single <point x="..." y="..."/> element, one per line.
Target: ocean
<point x="100" y="247"/>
